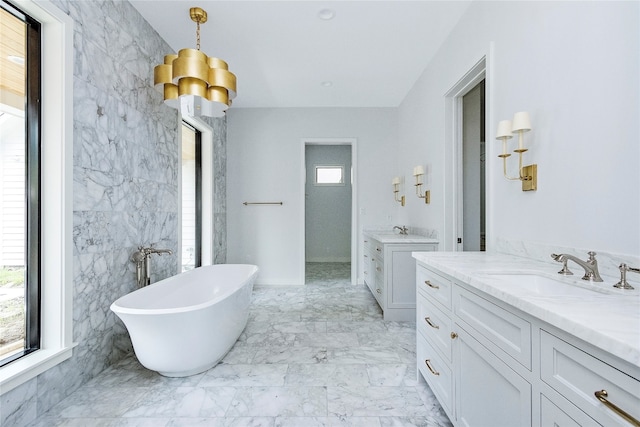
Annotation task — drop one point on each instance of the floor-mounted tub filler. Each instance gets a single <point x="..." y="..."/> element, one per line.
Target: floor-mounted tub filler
<point x="185" y="324"/>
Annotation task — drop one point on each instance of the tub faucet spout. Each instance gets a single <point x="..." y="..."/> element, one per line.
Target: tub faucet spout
<point x="149" y="251"/>
<point x="590" y="266"/>
<point x="142" y="259"/>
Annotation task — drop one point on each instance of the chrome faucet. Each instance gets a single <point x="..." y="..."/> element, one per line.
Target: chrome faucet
<point x="403" y="230"/>
<point x="142" y="259"/>
<point x="623" y="284"/>
<point x="590" y="266"/>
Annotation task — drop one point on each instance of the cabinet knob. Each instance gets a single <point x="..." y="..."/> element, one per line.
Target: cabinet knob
<point x="378" y="291"/>
<point x="431" y="285"/>
<point x="454" y="335"/>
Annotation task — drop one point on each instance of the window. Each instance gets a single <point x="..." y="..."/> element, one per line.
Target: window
<point x="197" y="192"/>
<point x="329" y="175"/>
<point x="56" y="182"/>
<point x="19" y="185"/>
<point x="191" y="197"/>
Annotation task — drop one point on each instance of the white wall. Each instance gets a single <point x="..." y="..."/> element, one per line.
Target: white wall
<point x="575" y="67"/>
<point x="265" y="163"/>
<point x="328" y="208"/>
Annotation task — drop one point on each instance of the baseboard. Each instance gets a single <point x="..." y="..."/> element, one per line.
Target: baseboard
<point x="330" y="259"/>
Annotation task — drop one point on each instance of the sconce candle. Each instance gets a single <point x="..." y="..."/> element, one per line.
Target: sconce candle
<point x="504" y="133"/>
<point x="521" y="124"/>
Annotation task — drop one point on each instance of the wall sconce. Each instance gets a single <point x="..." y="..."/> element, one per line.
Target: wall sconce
<point x="396" y="189"/>
<point x="521" y="124"/>
<point x="418" y="172"/>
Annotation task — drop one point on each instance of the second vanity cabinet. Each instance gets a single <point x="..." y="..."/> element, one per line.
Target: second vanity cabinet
<point x="490" y="364"/>
<point x="390" y="273"/>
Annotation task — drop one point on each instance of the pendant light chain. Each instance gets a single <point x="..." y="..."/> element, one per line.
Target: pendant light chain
<point x="198" y="34"/>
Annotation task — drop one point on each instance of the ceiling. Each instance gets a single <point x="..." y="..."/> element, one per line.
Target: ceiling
<point x="284" y="55"/>
<point x="12" y="45"/>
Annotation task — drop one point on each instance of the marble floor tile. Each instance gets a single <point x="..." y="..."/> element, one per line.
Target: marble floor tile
<point x="375" y="401"/>
<point x="327" y="422"/>
<point x="279" y="401"/>
<point x="327" y="375"/>
<point x="183" y="402"/>
<point x="291" y="355"/>
<point x="310" y="356"/>
<point x="223" y="422"/>
<point x="98" y="402"/>
<point x="245" y="375"/>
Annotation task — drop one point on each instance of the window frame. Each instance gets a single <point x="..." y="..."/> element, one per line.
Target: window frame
<point x="197" y="255"/>
<point x="32" y="75"/>
<point x="56" y="156"/>
<point x="207" y="190"/>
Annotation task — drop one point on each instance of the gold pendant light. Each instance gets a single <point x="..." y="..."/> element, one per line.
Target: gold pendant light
<point x="193" y="83"/>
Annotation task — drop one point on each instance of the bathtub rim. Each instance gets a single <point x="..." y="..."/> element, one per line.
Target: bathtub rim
<point x="119" y="309"/>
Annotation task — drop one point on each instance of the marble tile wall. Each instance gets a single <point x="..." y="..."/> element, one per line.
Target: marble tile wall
<point x="125" y="176"/>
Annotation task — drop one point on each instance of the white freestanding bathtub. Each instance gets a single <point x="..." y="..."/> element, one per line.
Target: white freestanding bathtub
<point x="185" y="324"/>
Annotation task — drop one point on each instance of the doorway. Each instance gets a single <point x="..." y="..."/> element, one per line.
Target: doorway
<point x="328" y="212"/>
<point x="465" y="202"/>
<point x="473" y="169"/>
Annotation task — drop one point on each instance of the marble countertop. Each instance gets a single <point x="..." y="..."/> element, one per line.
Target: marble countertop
<point x="389" y="237"/>
<point x="608" y="318"/>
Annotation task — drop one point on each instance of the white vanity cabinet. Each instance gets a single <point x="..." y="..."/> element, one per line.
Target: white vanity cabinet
<point x="390" y="272"/>
<point x="577" y="373"/>
<point x="491" y="364"/>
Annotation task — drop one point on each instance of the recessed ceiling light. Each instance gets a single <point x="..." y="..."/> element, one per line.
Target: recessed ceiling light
<point x="326" y="14"/>
<point x="16" y="59"/>
<point x="326" y="83"/>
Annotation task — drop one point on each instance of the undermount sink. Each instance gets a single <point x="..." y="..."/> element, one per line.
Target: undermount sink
<point x="532" y="283"/>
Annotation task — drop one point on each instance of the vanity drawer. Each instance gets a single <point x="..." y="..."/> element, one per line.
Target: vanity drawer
<point x="567" y="416"/>
<point x="508" y="332"/>
<point x="433" y="286"/>
<point x="435" y="325"/>
<point x="578" y="375"/>
<point x="436" y="372"/>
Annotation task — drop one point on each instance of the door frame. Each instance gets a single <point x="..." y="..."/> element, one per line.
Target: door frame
<point x="453" y="226"/>
<point x="353" y="142"/>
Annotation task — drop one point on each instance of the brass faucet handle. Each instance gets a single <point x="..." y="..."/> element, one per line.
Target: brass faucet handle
<point x="592" y="256"/>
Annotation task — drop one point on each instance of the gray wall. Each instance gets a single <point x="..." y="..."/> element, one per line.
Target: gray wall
<point x="265" y="163"/>
<point x="328" y="208"/>
<point x="125" y="190"/>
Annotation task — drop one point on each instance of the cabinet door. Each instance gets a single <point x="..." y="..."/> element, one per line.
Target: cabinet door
<point x="488" y="392"/>
<point x="436" y="373"/>
<point x="402" y="291"/>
